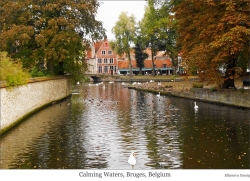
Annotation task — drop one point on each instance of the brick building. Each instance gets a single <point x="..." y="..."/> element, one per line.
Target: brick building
<point x="162" y="64"/>
<point x="101" y="59"/>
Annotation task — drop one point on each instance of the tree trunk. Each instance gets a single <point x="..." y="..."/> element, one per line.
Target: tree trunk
<point x="229" y="74"/>
<point x="175" y="64"/>
<point x="130" y="65"/>
<point x="140" y="71"/>
<point x="174" y="70"/>
<point x="153" y="63"/>
<point x="50" y="66"/>
<point x="228" y="83"/>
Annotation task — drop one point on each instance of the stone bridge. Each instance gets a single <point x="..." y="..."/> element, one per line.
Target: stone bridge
<point x="95" y="77"/>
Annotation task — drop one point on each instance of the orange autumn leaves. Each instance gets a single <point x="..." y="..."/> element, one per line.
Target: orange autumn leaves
<point x="213" y="34"/>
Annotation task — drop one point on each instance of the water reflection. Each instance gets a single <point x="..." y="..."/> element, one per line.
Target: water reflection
<point x="99" y="128"/>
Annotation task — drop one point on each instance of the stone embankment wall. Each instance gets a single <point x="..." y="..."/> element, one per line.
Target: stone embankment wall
<point x="20" y="101"/>
<point x="238" y="98"/>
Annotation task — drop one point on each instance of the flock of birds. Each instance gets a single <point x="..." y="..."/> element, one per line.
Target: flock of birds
<point x="132" y="159"/>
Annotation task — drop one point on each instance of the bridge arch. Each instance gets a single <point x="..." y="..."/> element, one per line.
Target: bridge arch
<point x="95" y="78"/>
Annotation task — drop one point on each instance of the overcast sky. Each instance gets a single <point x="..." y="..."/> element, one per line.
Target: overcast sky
<point x="110" y="10"/>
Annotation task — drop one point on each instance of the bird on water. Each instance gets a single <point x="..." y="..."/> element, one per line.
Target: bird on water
<point x="132" y="160"/>
<point x="195" y="106"/>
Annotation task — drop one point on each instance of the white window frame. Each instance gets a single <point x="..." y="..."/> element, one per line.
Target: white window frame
<point x="103" y="52"/>
<point x="99" y="60"/>
<point x="105" y="60"/>
<point x="99" y="69"/>
<point x="110" y="52"/>
<point x="111" y="60"/>
<point x="106" y="69"/>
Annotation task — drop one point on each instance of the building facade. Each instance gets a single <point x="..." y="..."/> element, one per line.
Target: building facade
<point x="162" y="64"/>
<point x="102" y="59"/>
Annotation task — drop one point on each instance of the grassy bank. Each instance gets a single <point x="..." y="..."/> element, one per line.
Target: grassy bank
<point x="169" y="82"/>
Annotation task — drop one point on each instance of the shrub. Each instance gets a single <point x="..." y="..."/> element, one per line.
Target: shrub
<point x="213" y="89"/>
<point x="197" y="85"/>
<point x="35" y="72"/>
<point x="242" y="90"/>
<point x="168" y="86"/>
<point x="11" y="71"/>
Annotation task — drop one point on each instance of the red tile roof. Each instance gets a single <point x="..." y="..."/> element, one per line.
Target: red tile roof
<point x="98" y="45"/>
<point x="89" y="54"/>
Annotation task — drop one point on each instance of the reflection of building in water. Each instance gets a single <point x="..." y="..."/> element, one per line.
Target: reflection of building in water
<point x="163" y="142"/>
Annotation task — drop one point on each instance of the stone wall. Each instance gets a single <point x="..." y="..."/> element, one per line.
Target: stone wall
<point x="231" y="97"/>
<point x="20" y="101"/>
<point x="238" y="98"/>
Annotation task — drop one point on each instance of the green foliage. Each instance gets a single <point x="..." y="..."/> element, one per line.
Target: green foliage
<point x="52" y="32"/>
<point x="158" y="30"/>
<point x="197" y="85"/>
<point x="11" y="71"/>
<point x="140" y="55"/>
<point x="242" y="90"/>
<point x="36" y="72"/>
<point x="213" y="89"/>
<point x="124" y="31"/>
<point x="174" y="76"/>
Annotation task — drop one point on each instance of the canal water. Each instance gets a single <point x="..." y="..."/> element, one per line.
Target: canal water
<point x="98" y="127"/>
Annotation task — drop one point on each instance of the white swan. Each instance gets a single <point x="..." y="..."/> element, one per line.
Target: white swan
<point x="195" y="106"/>
<point x="158" y="95"/>
<point x="132" y="160"/>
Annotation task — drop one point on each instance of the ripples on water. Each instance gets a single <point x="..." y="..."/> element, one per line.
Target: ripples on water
<point x="99" y="128"/>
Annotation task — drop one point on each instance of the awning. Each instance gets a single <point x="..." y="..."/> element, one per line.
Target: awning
<point x="165" y="68"/>
<point x="133" y="69"/>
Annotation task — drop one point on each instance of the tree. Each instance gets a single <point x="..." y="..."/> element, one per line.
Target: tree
<point x="155" y="27"/>
<point x="140" y="55"/>
<point x="124" y="31"/>
<point x="213" y="35"/>
<point x="54" y="33"/>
